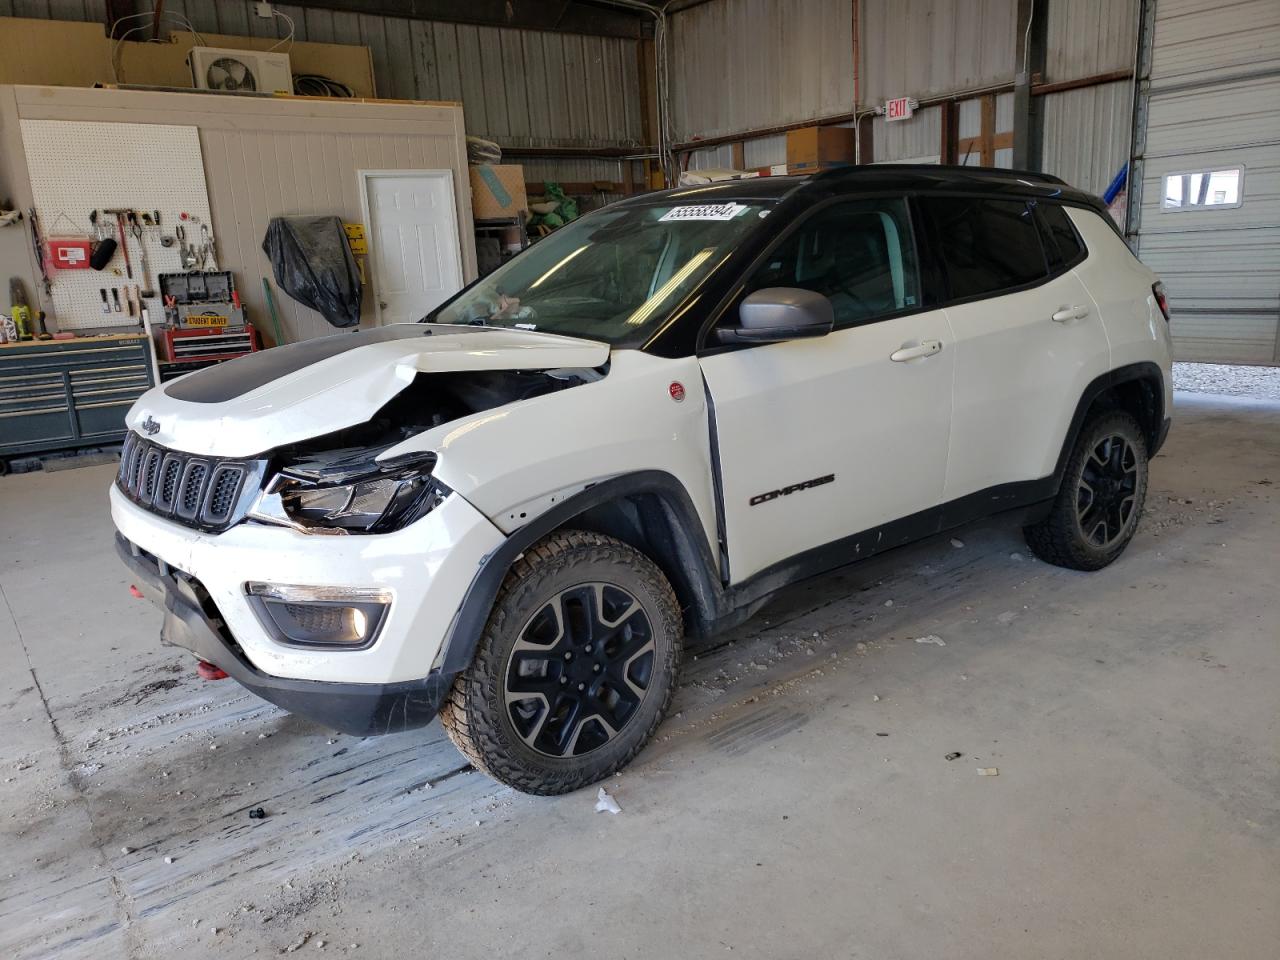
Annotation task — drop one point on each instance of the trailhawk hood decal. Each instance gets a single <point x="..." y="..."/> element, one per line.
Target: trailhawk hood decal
<point x="304" y="390"/>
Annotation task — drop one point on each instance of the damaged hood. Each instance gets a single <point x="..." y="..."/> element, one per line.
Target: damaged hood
<point x="304" y="390"/>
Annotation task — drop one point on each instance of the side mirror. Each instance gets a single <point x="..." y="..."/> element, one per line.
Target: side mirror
<point x="775" y="314"/>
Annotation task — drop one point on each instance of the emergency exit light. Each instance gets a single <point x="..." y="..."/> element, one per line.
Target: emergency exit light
<point x="899" y="109"/>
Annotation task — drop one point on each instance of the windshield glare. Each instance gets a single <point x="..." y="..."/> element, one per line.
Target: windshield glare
<point x="615" y="275"/>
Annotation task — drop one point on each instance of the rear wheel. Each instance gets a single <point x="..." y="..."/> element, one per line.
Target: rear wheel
<point x="1098" y="505"/>
<point x="575" y="668"/>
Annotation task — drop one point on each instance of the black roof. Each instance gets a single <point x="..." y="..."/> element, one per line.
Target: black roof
<point x="879" y="177"/>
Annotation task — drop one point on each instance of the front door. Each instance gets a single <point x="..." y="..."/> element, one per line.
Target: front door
<point x="826" y="438"/>
<point x="413" y="241"/>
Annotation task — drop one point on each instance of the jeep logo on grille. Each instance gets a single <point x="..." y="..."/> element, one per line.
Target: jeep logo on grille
<point x="151" y="425"/>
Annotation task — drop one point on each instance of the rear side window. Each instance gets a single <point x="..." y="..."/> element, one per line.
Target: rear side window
<point x="1061" y="242"/>
<point x="985" y="246"/>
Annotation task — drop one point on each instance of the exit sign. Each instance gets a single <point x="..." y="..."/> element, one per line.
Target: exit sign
<point x="899" y="109"/>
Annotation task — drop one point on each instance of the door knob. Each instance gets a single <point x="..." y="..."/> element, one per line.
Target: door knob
<point x="915" y="351"/>
<point x="1077" y="312"/>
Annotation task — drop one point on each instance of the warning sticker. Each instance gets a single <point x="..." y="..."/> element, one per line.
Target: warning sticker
<point x="704" y="211"/>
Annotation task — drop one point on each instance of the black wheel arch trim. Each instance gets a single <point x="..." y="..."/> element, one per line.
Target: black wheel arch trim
<point x="688" y="546"/>
<point x="1156" y="431"/>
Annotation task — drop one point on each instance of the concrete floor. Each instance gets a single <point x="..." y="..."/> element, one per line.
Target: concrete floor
<point x="798" y="804"/>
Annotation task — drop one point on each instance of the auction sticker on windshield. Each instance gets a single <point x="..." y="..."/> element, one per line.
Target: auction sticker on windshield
<point x="704" y="211"/>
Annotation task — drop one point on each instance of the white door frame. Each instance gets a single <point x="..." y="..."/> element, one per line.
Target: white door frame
<point x="364" y="177"/>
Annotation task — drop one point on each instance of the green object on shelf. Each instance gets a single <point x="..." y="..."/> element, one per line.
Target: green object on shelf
<point x="566" y="210"/>
<point x="271" y="306"/>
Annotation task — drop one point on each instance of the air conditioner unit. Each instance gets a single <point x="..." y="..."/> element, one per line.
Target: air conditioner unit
<point x="240" y="71"/>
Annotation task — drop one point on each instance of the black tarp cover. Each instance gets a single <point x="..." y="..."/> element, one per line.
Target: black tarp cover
<point x="313" y="264"/>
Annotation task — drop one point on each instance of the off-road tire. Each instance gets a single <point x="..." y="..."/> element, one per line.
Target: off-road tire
<point x="475" y="713"/>
<point x="1060" y="538"/>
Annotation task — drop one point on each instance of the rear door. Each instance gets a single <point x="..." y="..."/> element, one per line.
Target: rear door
<point x="1028" y="338"/>
<point x="825" y="438"/>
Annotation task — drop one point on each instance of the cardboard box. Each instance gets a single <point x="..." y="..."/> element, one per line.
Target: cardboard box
<point x="497" y="191"/>
<point x="810" y="146"/>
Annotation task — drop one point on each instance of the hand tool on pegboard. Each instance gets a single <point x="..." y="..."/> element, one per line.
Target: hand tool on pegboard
<point x="106" y="304"/>
<point x="135" y="227"/>
<point x="115" y="299"/>
<point x="37" y="246"/>
<point x="124" y="244"/>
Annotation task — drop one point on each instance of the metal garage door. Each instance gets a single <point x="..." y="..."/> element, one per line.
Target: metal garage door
<point x="1208" y="162"/>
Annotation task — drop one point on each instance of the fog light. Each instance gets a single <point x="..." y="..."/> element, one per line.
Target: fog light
<point x="344" y="618"/>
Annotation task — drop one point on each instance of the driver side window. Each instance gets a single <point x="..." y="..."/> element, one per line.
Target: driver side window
<point x="858" y="254"/>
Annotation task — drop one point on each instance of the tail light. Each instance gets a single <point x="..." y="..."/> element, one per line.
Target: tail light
<point x="1162" y="299"/>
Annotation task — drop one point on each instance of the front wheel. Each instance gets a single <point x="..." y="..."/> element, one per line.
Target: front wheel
<point x="1098" y="505"/>
<point x="575" y="669"/>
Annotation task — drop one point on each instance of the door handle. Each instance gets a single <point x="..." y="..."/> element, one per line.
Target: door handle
<point x="915" y="351"/>
<point x="1063" y="314"/>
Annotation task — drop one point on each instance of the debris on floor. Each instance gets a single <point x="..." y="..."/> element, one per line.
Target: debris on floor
<point x="988" y="772"/>
<point x="954" y="756"/>
<point x="299" y="943"/>
<point x="257" y="813"/>
<point x="605" y="802"/>
<point x="957" y="543"/>
<point x="932" y="638"/>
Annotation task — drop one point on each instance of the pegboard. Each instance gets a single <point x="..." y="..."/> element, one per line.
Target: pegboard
<point x="77" y="166"/>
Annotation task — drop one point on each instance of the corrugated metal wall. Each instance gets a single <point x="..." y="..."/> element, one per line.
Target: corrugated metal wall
<point x="1089" y="37"/>
<point x="519" y="87"/>
<point x="747" y="64"/>
<point x="1215" y="102"/>
<point x="1086" y="134"/>
<point x="923" y="49"/>
<point x="918" y="140"/>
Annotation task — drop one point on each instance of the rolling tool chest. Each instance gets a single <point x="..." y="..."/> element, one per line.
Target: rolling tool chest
<point x="68" y="394"/>
<point x="204" y="317"/>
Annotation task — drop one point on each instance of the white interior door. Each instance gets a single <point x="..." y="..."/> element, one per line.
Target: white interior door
<point x="413" y="241"/>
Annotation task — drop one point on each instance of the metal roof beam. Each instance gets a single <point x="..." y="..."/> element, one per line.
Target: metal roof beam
<point x="561" y="16"/>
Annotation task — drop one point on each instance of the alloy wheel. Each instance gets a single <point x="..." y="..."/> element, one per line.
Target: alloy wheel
<point x="579" y="670"/>
<point x="1108" y="490"/>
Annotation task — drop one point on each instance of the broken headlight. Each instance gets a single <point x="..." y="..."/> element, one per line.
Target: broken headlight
<point x="349" y="492"/>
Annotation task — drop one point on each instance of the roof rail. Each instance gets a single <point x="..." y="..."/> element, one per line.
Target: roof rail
<point x="928" y="169"/>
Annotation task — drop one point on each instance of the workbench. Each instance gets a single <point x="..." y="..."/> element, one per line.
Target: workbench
<point x="69" y="394"/>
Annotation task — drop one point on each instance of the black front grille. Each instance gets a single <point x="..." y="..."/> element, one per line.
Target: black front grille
<point x="202" y="492"/>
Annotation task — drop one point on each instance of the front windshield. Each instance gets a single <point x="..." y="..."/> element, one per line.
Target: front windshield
<point x="615" y="275"/>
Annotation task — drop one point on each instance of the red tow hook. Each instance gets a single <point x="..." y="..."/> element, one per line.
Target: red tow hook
<point x="208" y="671"/>
<point x="135" y="592"/>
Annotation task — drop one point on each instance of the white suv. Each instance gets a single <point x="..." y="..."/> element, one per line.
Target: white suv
<point x="511" y="513"/>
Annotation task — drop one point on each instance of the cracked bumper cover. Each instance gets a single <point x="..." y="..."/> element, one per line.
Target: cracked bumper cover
<point x="361" y="709"/>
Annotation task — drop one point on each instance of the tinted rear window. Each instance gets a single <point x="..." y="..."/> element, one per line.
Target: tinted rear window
<point x="985" y="245"/>
<point x="1062" y="235"/>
